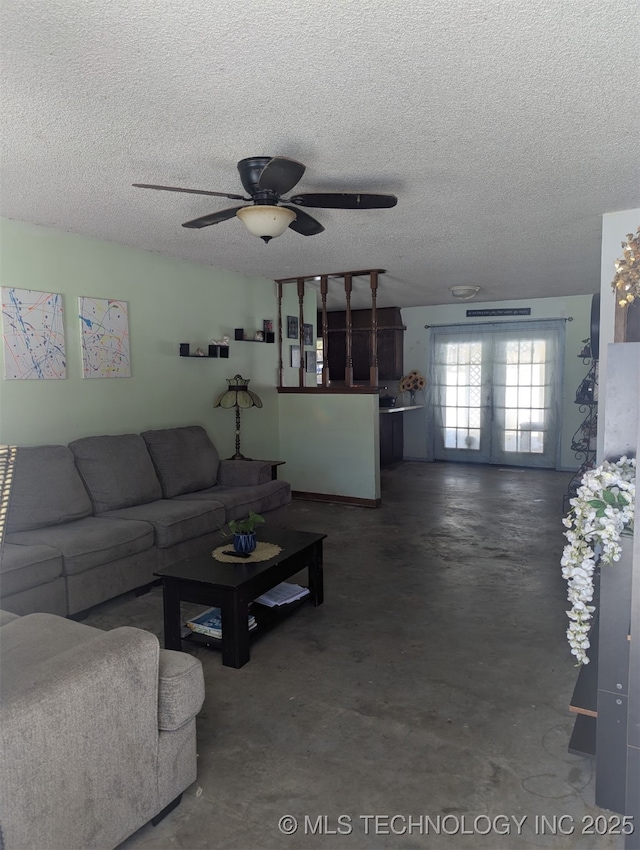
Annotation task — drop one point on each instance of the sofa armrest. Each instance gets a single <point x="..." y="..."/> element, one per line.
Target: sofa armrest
<point x="181" y="689"/>
<point x="243" y="473"/>
<point x="7" y="617"/>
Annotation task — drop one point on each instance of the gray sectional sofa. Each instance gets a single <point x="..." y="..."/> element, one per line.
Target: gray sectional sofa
<point x="89" y="521"/>
<point x="98" y="732"/>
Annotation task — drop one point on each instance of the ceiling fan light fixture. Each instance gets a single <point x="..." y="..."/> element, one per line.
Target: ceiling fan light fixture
<point x="266" y="221"/>
<point x="464" y="293"/>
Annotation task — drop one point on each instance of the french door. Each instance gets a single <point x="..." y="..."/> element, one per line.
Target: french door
<point x="495" y="392"/>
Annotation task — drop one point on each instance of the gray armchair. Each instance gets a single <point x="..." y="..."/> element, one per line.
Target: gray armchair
<point x="97" y="734"/>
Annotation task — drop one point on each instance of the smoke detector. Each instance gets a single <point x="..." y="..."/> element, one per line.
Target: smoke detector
<point x="464" y="293"/>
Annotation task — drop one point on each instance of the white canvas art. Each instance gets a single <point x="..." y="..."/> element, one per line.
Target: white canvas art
<point x="105" y="338"/>
<point x="33" y="335"/>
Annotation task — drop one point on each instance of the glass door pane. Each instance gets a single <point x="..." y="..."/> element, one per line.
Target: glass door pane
<point x="462" y="431"/>
<point x="525" y="400"/>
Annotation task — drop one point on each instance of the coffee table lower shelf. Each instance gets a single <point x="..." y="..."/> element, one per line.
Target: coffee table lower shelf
<point x="266" y="619"/>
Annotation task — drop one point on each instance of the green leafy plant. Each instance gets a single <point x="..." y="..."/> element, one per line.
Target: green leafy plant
<point x="612" y="500"/>
<point x="246" y="525"/>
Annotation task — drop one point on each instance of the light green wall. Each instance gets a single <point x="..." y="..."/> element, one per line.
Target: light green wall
<point x="169" y="301"/>
<point x="416" y="348"/>
<point x="331" y="443"/>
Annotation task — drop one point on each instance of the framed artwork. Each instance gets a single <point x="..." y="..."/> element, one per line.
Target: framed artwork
<point x="294" y="356"/>
<point x="267" y="326"/>
<point x="33" y="335"/>
<point x="292" y="327"/>
<point x="104" y="333"/>
<point x="307" y="331"/>
<point x="310" y="361"/>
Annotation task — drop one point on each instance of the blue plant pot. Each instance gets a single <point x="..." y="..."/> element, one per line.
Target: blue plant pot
<point x="244" y="543"/>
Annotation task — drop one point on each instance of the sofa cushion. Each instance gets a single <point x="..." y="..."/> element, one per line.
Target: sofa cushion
<point x="45" y="489"/>
<point x="24" y="567"/>
<point x="238" y="501"/>
<point x="185" y="459"/>
<point x="90" y="542"/>
<point x="180" y="689"/>
<point x="117" y="471"/>
<point x="174" y="522"/>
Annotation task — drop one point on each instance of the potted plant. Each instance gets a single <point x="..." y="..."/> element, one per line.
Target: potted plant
<point x="244" y="534"/>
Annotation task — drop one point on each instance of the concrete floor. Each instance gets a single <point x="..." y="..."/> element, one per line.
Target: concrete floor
<point x="434" y="681"/>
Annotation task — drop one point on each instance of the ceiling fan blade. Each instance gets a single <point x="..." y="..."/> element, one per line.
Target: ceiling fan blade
<point x="304" y="223"/>
<point x="344" y="201"/>
<point x="191" y="191"/>
<point x="280" y="175"/>
<point x="213" y="218"/>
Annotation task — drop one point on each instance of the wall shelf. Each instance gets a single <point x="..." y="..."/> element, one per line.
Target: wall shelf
<point x="212" y="351"/>
<point x="269" y="336"/>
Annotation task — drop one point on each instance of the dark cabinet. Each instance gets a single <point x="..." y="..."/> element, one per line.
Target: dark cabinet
<point x="390" y="345"/>
<point x="391" y="438"/>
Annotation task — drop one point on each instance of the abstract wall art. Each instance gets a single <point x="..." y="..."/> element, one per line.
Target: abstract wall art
<point x="33" y="335"/>
<point x="104" y="331"/>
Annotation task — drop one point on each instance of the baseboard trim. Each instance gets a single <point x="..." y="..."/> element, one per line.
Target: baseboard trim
<point x="341" y="500"/>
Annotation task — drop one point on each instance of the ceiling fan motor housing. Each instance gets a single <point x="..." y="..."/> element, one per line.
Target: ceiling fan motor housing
<point x="250" y="170"/>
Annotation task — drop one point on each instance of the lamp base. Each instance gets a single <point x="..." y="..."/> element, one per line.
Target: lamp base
<point x="238" y="456"/>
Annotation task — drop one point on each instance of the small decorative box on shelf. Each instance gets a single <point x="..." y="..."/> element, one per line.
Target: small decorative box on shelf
<point x="212" y="351"/>
<point x="241" y="335"/>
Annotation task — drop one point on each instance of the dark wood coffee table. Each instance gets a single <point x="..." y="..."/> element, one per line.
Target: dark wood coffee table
<point x="231" y="587"/>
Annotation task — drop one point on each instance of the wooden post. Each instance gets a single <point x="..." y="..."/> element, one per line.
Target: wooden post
<point x="324" y="288"/>
<point x="373" y="369"/>
<point x="348" y="369"/>
<point x="300" y="282"/>
<point x="280" y="363"/>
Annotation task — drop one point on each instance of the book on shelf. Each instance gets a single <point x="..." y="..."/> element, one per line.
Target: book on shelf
<point x="283" y="594"/>
<point x="210" y="623"/>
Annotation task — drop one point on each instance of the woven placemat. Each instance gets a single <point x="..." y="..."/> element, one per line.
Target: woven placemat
<point x="262" y="552"/>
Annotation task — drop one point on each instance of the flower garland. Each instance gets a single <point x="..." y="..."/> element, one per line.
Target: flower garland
<point x="602" y="511"/>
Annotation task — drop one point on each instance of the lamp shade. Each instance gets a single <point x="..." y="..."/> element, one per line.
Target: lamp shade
<point x="238" y="394"/>
<point x="266" y="221"/>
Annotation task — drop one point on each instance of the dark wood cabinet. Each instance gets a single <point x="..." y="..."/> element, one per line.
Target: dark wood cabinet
<point x="390" y="345"/>
<point x="391" y="438"/>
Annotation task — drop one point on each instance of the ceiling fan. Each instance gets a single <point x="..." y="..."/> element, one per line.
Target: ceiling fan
<point x="266" y="179"/>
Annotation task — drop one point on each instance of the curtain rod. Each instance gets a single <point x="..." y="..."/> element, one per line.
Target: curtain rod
<point x="512" y="318"/>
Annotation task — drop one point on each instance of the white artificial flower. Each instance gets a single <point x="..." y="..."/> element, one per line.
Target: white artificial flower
<point x="592" y="538"/>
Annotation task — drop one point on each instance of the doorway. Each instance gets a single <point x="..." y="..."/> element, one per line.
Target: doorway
<point x="495" y="392"/>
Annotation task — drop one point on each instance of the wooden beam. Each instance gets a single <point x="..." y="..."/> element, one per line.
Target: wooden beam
<point x="324" y="288"/>
<point x="300" y="282"/>
<point x="348" y="367"/>
<point x="337" y="275"/>
<point x="280" y="362"/>
<point x="373" y="368"/>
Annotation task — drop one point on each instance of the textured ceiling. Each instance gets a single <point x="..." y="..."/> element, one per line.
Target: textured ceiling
<point x="505" y="127"/>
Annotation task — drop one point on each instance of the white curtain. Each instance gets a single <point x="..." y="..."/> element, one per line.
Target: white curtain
<point x="495" y="391"/>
